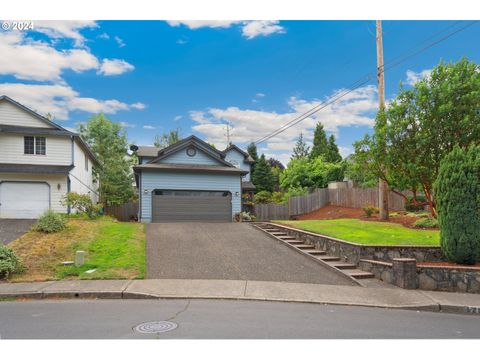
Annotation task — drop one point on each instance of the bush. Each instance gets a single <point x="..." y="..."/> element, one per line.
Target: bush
<point x="50" y="222"/>
<point x="263" y="197"/>
<point x="410" y="206"/>
<point x="369" y="210"/>
<point x="83" y="204"/>
<point x="9" y="262"/>
<point x="457" y="193"/>
<point x="277" y="197"/>
<point x="426" y="223"/>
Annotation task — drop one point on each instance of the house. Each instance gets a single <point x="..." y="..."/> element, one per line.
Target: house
<point x="40" y="162"/>
<point x="191" y="181"/>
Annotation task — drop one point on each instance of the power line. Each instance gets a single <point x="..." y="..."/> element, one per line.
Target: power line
<point x="357" y="84"/>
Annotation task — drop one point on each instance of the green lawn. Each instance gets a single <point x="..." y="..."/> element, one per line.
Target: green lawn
<point x="115" y="249"/>
<point x="368" y="232"/>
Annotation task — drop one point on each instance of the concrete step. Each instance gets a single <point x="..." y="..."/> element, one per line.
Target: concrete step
<point x="316" y="252"/>
<point x="278" y="234"/>
<point x="328" y="258"/>
<point x="343" y="265"/>
<point x="288" y="238"/>
<point x="294" y="242"/>
<point x="358" y="274"/>
<point x="305" y="247"/>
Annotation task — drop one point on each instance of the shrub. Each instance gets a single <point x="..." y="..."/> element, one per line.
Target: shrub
<point x="83" y="204"/>
<point x="50" y="222"/>
<point x="411" y="206"/>
<point x="369" y="210"/>
<point x="426" y="223"/>
<point x="457" y="193"/>
<point x="9" y="262"/>
<point x="277" y="197"/>
<point x="263" y="197"/>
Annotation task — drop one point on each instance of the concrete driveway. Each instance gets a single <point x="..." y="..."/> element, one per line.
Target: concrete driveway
<point x="231" y="251"/>
<point x="11" y="229"/>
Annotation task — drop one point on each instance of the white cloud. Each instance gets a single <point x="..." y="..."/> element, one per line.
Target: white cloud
<point x="250" y="29"/>
<point x="126" y="125"/>
<point x="119" y="41"/>
<point x="59" y="100"/>
<point x="70" y="29"/>
<point x="177" y="118"/>
<point x="111" y="67"/>
<point x="345" y="151"/>
<point x="149" y="127"/>
<point x="413" y="77"/>
<point x="355" y="109"/>
<point x="197" y="24"/>
<point x="257" y="97"/>
<point x="138" y="106"/>
<point x="256" y="28"/>
<point x="104" y="36"/>
<point x="35" y="60"/>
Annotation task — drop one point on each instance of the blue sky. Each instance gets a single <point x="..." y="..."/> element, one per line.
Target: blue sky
<point x="153" y="76"/>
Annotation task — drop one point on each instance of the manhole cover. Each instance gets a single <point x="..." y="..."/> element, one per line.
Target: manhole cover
<point x="155" y="327"/>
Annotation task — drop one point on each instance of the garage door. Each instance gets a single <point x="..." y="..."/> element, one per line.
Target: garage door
<point x="180" y="205"/>
<point x="23" y="200"/>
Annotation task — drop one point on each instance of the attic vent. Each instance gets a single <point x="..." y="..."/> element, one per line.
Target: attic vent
<point x="191" y="151"/>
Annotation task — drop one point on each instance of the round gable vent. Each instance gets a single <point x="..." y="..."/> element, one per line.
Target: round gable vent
<point x="191" y="151"/>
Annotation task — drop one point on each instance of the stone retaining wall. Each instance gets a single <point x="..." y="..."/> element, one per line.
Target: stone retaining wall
<point x="440" y="278"/>
<point x="352" y="252"/>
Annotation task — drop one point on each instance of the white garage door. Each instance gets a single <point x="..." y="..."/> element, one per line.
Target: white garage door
<point x="23" y="200"/>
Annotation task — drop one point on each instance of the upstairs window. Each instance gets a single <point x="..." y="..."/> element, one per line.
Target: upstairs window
<point x="34" y="145"/>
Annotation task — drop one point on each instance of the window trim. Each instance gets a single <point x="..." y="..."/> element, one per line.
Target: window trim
<point x="34" y="145"/>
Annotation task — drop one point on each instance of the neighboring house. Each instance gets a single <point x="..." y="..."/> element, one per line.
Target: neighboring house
<point x="40" y="162"/>
<point x="191" y="181"/>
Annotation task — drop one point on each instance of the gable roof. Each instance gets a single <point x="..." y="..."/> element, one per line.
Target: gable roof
<point x="147" y="151"/>
<point x="246" y="155"/>
<point x="57" y="129"/>
<point x="188" y="141"/>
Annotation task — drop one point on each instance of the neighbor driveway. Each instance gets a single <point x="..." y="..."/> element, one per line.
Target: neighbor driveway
<point x="231" y="251"/>
<point x="11" y="229"/>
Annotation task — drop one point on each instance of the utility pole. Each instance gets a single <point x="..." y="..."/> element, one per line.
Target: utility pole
<point x="382" y="184"/>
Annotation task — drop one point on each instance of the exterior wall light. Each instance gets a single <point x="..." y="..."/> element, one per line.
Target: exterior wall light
<point x="145" y="191"/>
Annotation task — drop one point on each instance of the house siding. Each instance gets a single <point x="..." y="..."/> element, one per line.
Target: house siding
<point x="81" y="180"/>
<point x="54" y="180"/>
<point x="151" y="180"/>
<point x="58" y="151"/>
<point x="240" y="159"/>
<point x="181" y="157"/>
<point x="12" y="115"/>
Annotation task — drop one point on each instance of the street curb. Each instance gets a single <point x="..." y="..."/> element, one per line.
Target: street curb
<point x="430" y="304"/>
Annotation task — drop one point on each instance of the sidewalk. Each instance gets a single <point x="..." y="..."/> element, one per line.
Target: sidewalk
<point x="247" y="290"/>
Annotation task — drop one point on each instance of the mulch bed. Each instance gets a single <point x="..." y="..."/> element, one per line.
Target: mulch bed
<point x="337" y="212"/>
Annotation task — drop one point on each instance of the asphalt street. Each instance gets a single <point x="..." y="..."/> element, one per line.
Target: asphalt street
<point x="223" y="319"/>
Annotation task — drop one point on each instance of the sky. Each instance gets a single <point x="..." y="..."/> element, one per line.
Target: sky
<point x="199" y="76"/>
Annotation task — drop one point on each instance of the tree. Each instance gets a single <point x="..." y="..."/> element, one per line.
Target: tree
<point x="252" y="151"/>
<point x="305" y="173"/>
<point x="320" y="143"/>
<point x="167" y="139"/>
<point x="457" y="190"/>
<point x="421" y="126"/>
<point x="333" y="155"/>
<point x="108" y="142"/>
<point x="277" y="169"/>
<point x="275" y="163"/>
<point x="262" y="176"/>
<point x="301" y="149"/>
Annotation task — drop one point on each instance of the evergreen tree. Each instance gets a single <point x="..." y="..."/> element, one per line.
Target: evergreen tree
<point x="333" y="155"/>
<point x="252" y="151"/>
<point x="320" y="142"/>
<point x="262" y="176"/>
<point x="108" y="142"/>
<point x="301" y="150"/>
<point x="457" y="192"/>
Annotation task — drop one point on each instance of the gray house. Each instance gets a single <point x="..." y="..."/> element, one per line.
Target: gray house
<point x="191" y="181"/>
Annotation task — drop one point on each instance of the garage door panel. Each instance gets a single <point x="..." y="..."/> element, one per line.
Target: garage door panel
<point x="167" y="208"/>
<point x="23" y="200"/>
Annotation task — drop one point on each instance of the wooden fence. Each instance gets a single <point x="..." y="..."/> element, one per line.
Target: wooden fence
<point x="125" y="212"/>
<point x="348" y="197"/>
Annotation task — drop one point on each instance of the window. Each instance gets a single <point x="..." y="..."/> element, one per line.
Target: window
<point x="34" y="145"/>
<point x="191" y="151"/>
<point x="86" y="162"/>
<point x="29" y="145"/>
